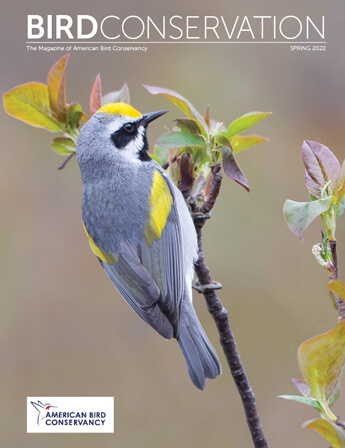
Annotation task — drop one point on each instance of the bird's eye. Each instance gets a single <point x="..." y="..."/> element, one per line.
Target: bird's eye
<point x="129" y="127"/>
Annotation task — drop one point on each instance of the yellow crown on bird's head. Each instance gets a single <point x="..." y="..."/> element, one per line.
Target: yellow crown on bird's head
<point x="119" y="109"/>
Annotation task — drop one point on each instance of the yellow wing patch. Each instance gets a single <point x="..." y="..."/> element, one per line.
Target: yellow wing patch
<point x="106" y="258"/>
<point x="120" y="108"/>
<point x="160" y="203"/>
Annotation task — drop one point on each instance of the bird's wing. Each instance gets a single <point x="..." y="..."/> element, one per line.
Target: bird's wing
<point x="138" y="288"/>
<point x="134" y="283"/>
<point x="38" y="406"/>
<point x="161" y="250"/>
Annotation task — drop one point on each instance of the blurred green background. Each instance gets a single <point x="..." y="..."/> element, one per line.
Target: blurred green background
<point x="65" y="330"/>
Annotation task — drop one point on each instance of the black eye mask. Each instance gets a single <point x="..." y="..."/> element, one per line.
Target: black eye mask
<point x="125" y="134"/>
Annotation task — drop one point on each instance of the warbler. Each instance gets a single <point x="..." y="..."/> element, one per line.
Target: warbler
<point x="139" y="227"/>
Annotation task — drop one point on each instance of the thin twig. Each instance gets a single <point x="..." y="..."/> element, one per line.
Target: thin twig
<point x="61" y="167"/>
<point x="335" y="276"/>
<point x="220" y="316"/>
<point x="165" y="165"/>
<point x="333" y="247"/>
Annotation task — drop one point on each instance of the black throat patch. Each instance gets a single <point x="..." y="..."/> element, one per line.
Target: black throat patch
<point x="143" y="153"/>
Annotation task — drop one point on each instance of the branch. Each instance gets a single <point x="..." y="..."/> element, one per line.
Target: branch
<point x="220" y="316"/>
<point x="335" y="276"/>
<point x="340" y="423"/>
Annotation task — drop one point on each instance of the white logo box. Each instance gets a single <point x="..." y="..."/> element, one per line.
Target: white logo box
<point x="70" y="414"/>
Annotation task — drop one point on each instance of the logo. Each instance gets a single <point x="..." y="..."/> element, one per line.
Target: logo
<point x="70" y="414"/>
<point x="42" y="409"/>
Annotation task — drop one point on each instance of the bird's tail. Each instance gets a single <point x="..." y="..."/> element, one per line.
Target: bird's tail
<point x="199" y="354"/>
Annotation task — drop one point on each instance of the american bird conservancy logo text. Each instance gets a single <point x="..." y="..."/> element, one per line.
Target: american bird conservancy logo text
<point x="70" y="414"/>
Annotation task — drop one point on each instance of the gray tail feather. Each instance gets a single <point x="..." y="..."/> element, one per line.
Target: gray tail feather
<point x="201" y="358"/>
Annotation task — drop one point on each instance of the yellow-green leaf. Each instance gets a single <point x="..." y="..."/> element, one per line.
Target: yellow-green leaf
<point x="338" y="288"/>
<point x="243" y="123"/>
<point x="84" y="117"/>
<point x="321" y="359"/>
<point x="30" y="103"/>
<point x="56" y="81"/>
<point x="63" y="146"/>
<point x="330" y="431"/>
<point x="239" y="143"/>
<point x="74" y="115"/>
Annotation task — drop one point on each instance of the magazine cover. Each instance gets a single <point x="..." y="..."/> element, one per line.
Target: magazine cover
<point x="154" y="153"/>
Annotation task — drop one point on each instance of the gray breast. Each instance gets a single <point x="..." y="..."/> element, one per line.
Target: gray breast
<point x="116" y="206"/>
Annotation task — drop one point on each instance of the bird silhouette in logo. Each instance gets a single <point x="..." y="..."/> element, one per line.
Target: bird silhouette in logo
<point x="42" y="410"/>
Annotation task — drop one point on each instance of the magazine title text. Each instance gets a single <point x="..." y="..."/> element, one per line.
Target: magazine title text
<point x="64" y="27"/>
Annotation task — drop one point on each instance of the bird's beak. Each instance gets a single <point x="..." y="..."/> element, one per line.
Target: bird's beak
<point x="147" y="118"/>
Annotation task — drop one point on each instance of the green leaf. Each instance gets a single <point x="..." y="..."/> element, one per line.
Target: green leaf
<point x="56" y="81"/>
<point x="243" y="123"/>
<point x="183" y="104"/>
<point x="188" y="125"/>
<point x="338" y="287"/>
<point x="179" y="140"/>
<point x="30" y="103"/>
<point x="339" y="191"/>
<point x="199" y="155"/>
<point x="96" y="95"/>
<point x="340" y="208"/>
<point x="74" y="114"/>
<point x="239" y="143"/>
<point x="321" y="166"/>
<point x="333" y="433"/>
<point x="304" y="400"/>
<point x="63" y="146"/>
<point x="232" y="169"/>
<point x="160" y="155"/>
<point x="222" y="141"/>
<point x="120" y="96"/>
<point x="321" y="360"/>
<point x="299" y="215"/>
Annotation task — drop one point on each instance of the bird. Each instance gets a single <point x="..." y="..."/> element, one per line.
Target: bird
<point x="42" y="410"/>
<point x="138" y="225"/>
